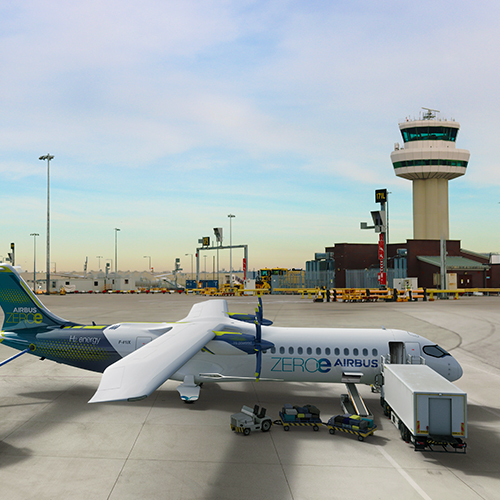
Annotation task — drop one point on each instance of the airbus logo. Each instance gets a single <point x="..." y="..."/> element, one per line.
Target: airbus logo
<point x="26" y="310"/>
<point x="321" y="365"/>
<point x="310" y="365"/>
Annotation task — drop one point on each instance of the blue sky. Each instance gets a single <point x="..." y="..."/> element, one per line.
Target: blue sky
<point x="166" y="116"/>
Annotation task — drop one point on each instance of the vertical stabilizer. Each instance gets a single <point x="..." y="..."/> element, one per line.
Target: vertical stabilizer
<point x="20" y="305"/>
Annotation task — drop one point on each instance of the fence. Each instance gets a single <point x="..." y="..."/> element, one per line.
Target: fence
<point x="367" y="278"/>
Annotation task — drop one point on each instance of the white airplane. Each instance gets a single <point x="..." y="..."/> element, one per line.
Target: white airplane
<point x="209" y="345"/>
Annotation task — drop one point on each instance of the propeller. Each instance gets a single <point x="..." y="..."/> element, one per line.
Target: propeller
<point x="258" y="339"/>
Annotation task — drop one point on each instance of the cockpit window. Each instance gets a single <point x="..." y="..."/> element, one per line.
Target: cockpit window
<point x="435" y="351"/>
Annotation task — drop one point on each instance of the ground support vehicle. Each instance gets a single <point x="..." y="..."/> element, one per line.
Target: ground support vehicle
<point x="429" y="411"/>
<point x="250" y="420"/>
<point x="352" y="424"/>
<point x="306" y="416"/>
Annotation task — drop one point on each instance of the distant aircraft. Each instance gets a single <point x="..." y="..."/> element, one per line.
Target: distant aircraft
<point x="209" y="345"/>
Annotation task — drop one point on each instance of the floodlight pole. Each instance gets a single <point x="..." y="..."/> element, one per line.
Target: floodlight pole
<point x="48" y="157"/>
<point x="116" y="250"/>
<point x="191" y="263"/>
<point x="231" y="217"/>
<point x="34" y="260"/>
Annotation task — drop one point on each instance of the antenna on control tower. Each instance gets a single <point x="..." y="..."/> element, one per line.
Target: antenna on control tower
<point x="430" y="113"/>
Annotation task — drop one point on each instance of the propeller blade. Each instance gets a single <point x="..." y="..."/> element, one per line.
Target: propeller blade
<point x="258" y="339"/>
<point x="259" y="365"/>
<point x="260" y="310"/>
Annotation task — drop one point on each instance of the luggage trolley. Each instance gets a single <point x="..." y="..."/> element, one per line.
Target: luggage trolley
<point x="306" y="416"/>
<point x="352" y="424"/>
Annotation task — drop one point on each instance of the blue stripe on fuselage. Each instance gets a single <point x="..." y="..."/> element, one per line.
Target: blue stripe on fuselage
<point x="81" y="346"/>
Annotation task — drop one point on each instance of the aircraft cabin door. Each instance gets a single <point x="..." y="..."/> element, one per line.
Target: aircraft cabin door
<point x="412" y="353"/>
<point x="140" y="341"/>
<point x="396" y="351"/>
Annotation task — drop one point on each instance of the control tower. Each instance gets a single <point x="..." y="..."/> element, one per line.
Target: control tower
<point x="429" y="159"/>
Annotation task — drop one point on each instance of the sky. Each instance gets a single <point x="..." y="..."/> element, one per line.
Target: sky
<point x="166" y="116"/>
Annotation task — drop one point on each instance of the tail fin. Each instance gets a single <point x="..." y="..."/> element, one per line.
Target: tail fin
<point x="20" y="305"/>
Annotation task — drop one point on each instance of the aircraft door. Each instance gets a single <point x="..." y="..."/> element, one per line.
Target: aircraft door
<point x="396" y="351"/>
<point x="140" y="341"/>
<point x="412" y="353"/>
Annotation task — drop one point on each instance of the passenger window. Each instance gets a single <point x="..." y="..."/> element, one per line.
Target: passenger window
<point x="355" y="351"/>
<point x="318" y="350"/>
<point x="273" y="350"/>
<point x="346" y="351"/>
<point x="374" y="352"/>
<point x="365" y="352"/>
<point x="337" y="351"/>
<point x="300" y="350"/>
<point x="290" y="350"/>
<point x="328" y="351"/>
<point x="309" y="350"/>
<point x="282" y="350"/>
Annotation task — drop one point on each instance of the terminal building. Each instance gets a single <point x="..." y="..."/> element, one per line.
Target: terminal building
<point x="429" y="158"/>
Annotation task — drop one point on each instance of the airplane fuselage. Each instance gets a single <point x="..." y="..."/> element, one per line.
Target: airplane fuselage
<point x="209" y="344"/>
<point x="298" y="354"/>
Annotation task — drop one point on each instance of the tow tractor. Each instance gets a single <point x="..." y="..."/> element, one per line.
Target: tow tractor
<point x="250" y="420"/>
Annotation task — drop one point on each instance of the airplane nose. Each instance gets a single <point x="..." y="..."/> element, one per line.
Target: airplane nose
<point x="457" y="370"/>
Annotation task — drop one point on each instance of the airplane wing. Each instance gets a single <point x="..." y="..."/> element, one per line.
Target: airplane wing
<point x="140" y="373"/>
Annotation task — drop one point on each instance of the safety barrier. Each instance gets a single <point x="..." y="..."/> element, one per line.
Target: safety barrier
<point x="462" y="291"/>
<point x="362" y="294"/>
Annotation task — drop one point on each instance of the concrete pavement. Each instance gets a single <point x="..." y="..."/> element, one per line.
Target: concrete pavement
<point x="54" y="445"/>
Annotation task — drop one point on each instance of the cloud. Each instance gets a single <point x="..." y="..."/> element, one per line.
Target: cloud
<point x="165" y="113"/>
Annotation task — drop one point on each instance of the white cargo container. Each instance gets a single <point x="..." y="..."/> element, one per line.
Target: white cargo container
<point x="427" y="408"/>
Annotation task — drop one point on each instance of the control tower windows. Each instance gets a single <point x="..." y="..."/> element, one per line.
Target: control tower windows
<point x="429" y="134"/>
<point x="416" y="163"/>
